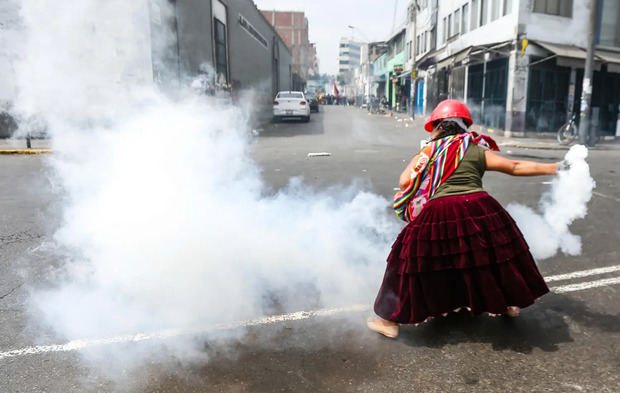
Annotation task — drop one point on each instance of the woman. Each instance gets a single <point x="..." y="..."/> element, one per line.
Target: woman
<point x="462" y="250"/>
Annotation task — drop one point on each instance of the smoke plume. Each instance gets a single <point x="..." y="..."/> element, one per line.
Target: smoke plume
<point x="166" y="221"/>
<point x="547" y="230"/>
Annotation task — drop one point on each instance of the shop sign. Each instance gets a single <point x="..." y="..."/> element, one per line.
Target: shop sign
<point x="399" y="68"/>
<point x="251" y="30"/>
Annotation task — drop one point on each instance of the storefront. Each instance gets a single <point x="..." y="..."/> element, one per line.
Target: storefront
<point x="486" y="92"/>
<point x="555" y="86"/>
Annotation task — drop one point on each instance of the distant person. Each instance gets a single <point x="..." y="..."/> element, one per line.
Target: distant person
<point x="461" y="249"/>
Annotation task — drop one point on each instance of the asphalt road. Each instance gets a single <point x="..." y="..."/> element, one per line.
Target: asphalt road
<point x="566" y="342"/>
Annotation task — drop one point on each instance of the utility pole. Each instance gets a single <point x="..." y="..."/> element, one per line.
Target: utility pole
<point x="586" y="91"/>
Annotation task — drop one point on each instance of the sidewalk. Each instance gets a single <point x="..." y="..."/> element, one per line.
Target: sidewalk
<point x="19" y="146"/>
<point x="39" y="146"/>
<point x="544" y="142"/>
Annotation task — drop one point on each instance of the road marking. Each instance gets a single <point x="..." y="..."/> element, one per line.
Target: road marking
<point x="25" y="151"/>
<point x="583" y="273"/>
<point x="606" y="196"/>
<point x="586" y="285"/>
<point x="77" y="345"/>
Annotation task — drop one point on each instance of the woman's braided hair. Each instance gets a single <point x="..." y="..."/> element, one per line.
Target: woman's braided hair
<point x="448" y="128"/>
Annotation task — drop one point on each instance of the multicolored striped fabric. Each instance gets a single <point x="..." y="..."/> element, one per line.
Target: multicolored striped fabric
<point x="438" y="161"/>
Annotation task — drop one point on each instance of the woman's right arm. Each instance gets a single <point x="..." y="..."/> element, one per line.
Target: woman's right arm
<point x="405" y="176"/>
<point x="495" y="162"/>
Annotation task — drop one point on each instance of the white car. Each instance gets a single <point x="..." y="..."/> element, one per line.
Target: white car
<point x="291" y="104"/>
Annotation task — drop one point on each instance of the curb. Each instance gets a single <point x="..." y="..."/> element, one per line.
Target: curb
<point x="520" y="146"/>
<point x="599" y="147"/>
<point x="25" y="151"/>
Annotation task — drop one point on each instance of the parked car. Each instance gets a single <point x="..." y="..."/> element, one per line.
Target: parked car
<point x="291" y="104"/>
<point x="313" y="101"/>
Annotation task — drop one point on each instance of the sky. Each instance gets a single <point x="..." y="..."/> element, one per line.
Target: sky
<point x="328" y="21"/>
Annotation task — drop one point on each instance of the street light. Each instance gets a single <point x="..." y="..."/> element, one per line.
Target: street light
<point x="352" y="30"/>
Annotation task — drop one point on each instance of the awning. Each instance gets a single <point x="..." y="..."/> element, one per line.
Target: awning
<point x="611" y="58"/>
<point x="428" y="59"/>
<point x="460" y="56"/>
<point x="405" y="74"/>
<point x="563" y="50"/>
<point x="572" y="56"/>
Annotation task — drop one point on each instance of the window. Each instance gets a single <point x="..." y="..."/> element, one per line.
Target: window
<point x="465" y="19"/>
<point x="445" y="30"/>
<point x="457" y="21"/>
<point x="474" y="15"/>
<point x="507" y="7"/>
<point x="433" y="40"/>
<point x="609" y="27"/>
<point x="344" y="61"/>
<point x="421" y="43"/>
<point x="290" y="95"/>
<point x="450" y="25"/>
<point x="417" y="45"/>
<point x="554" y="7"/>
<point x="484" y="12"/>
<point x="495" y="9"/>
<point x="221" y="58"/>
<point x="425" y="47"/>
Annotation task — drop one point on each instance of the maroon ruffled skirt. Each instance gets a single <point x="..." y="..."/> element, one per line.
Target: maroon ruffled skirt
<point x="462" y="251"/>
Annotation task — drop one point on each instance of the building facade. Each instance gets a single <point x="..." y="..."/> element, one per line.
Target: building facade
<point x="518" y="64"/>
<point x="292" y="26"/>
<point x="229" y="44"/>
<point x="349" y="55"/>
<point x="230" y="40"/>
<point x="9" y="32"/>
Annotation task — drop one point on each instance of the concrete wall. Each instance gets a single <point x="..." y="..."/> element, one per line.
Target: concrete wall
<point x="284" y="67"/>
<point x="251" y="62"/>
<point x="504" y="28"/>
<point x="195" y="32"/>
<point x="556" y="29"/>
<point x="9" y="30"/>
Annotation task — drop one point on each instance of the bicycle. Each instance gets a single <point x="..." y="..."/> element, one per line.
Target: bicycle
<point x="568" y="133"/>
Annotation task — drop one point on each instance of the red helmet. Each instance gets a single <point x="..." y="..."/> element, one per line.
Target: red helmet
<point x="447" y="109"/>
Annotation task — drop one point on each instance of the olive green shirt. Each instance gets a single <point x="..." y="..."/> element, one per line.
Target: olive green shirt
<point x="467" y="178"/>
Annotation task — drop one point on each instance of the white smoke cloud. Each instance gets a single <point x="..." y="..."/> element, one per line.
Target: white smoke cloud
<point x="166" y="221"/>
<point x="547" y="231"/>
